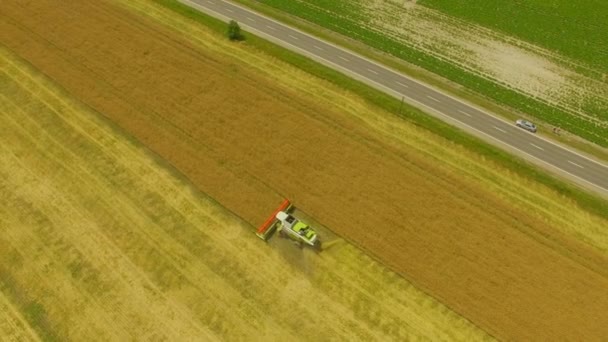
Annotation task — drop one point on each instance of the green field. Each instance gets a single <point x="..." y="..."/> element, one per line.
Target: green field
<point x="577" y="29"/>
<point x="581" y="112"/>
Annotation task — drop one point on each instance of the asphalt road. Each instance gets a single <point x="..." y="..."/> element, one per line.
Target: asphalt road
<point x="586" y="172"/>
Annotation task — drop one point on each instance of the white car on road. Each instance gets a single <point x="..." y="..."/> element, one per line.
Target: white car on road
<point x="525" y="124"/>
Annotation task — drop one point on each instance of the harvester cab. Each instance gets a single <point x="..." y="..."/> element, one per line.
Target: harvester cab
<point x="296" y="229"/>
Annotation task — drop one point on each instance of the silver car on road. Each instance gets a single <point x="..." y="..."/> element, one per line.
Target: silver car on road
<point x="525" y="124"/>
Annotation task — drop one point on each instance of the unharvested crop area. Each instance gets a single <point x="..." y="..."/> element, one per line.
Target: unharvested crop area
<point x="100" y="239"/>
<point x="512" y="257"/>
<point x="561" y="90"/>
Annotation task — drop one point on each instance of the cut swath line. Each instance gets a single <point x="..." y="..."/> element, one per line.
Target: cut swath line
<point x="465" y="113"/>
<point x="575" y="164"/>
<point x="344" y="58"/>
<point x="401" y="84"/>
<point x="293" y="37"/>
<point x="538" y="147"/>
<point x="372" y="71"/>
<point x="432" y="98"/>
<point x="500" y="129"/>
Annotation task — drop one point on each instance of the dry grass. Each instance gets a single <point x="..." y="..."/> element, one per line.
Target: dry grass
<point x="80" y="249"/>
<point x="224" y="122"/>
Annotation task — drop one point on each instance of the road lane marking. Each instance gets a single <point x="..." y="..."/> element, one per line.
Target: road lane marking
<point x="432" y="98"/>
<point x="229" y="10"/>
<point x="575" y="164"/>
<point x="538" y="147"/>
<point x="294" y="37"/>
<point x="465" y="113"/>
<point x="401" y="84"/>
<point x="318" y="48"/>
<point x="344" y="58"/>
<point x="272" y="28"/>
<point x="250" y="19"/>
<point x="500" y="129"/>
<point x="372" y="71"/>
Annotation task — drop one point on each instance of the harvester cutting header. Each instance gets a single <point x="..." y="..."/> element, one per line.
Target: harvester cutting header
<point x="288" y="226"/>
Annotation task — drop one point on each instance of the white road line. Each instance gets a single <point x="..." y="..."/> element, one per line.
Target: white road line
<point x="500" y="129"/>
<point x="272" y="28"/>
<point x="294" y="37"/>
<point x="432" y="98"/>
<point x="211" y="2"/>
<point x="465" y="113"/>
<point x="229" y="10"/>
<point x="401" y="84"/>
<point x="344" y="58"/>
<point x="538" y="147"/>
<point x="318" y="48"/>
<point x="250" y="19"/>
<point x="575" y="164"/>
<point x="372" y="71"/>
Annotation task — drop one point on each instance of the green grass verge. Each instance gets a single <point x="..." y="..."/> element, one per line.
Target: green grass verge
<point x="343" y="17"/>
<point x="586" y="200"/>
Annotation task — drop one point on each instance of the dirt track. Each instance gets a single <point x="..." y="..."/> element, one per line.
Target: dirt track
<point x="508" y="273"/>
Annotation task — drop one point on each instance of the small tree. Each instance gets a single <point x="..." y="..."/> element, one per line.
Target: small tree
<point x="234" y="31"/>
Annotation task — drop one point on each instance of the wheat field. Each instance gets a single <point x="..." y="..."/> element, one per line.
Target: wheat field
<point x="112" y="215"/>
<point x="103" y="240"/>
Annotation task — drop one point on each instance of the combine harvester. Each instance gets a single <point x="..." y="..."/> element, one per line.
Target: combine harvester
<point x="288" y="226"/>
